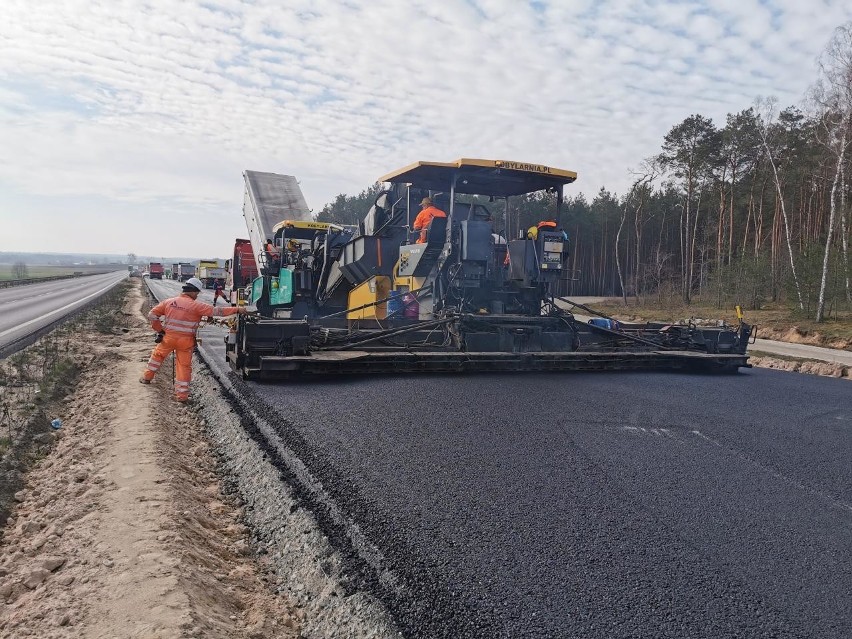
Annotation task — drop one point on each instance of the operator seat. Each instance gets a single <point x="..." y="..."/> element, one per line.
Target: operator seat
<point x="436" y="235"/>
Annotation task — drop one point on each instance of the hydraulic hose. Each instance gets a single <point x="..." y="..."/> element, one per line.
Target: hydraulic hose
<point x="394" y="333"/>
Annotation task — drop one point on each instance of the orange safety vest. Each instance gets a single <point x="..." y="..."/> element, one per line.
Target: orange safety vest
<point x="424" y="219"/>
<point x="181" y="315"/>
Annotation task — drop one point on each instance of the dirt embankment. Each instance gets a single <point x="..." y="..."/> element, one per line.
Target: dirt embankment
<point x="797" y="335"/>
<point x="809" y="367"/>
<point x="122" y="529"/>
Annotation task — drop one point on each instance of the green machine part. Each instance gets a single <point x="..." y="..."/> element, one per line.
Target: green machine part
<point x="281" y="288"/>
<point x="256" y="290"/>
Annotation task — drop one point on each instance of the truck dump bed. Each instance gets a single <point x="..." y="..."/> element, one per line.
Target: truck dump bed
<point x="270" y="198"/>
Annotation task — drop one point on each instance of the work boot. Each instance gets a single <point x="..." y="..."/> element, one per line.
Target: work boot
<point x="142" y="380"/>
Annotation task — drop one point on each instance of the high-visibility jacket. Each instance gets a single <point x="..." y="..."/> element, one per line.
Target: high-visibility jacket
<point x="182" y="314"/>
<point x="424" y="219"/>
<point x="272" y="255"/>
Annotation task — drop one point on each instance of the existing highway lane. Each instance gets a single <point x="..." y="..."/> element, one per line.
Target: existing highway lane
<point x="31" y="308"/>
<point x="590" y="505"/>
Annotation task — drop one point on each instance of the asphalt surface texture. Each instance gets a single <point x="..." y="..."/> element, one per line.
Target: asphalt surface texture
<point x="31" y="308"/>
<point x="589" y="504"/>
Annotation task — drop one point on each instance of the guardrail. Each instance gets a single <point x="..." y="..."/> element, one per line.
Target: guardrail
<point x="49" y="278"/>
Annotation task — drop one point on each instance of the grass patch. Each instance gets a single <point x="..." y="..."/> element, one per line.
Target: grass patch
<point x="108" y="317"/>
<point x="60" y="380"/>
<point x="38" y="271"/>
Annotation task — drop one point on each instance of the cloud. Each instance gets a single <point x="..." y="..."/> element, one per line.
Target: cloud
<point x="157" y="106"/>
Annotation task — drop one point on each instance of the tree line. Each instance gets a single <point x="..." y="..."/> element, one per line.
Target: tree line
<point x="754" y="210"/>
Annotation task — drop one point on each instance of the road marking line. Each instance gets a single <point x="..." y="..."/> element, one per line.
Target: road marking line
<point x="837" y="503"/>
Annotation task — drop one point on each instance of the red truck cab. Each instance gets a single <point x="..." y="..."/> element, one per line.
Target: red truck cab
<point x="156" y="270"/>
<point x="242" y="269"/>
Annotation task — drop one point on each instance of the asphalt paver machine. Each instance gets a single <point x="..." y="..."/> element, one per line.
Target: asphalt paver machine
<point x="379" y="298"/>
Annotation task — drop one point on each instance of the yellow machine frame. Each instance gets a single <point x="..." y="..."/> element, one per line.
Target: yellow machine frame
<point x="378" y="287"/>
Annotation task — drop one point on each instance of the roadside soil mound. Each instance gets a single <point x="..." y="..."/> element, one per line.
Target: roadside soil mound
<point x="809" y="367"/>
<point x="796" y="335"/>
<point x="122" y="529"/>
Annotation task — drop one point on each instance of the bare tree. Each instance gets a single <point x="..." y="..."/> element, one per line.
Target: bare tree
<point x="19" y="271"/>
<point x="766" y="110"/>
<point x="649" y="171"/>
<point x="844" y="233"/>
<point x="832" y="96"/>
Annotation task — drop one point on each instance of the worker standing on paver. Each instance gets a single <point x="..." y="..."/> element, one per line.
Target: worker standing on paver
<point x="176" y="320"/>
<point x="272" y="254"/>
<point x="425" y="217"/>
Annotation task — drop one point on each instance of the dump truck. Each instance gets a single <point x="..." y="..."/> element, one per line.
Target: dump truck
<point x="209" y="272"/>
<point x="242" y="270"/>
<point x="175" y="271"/>
<point x="460" y="295"/>
<point x="185" y="271"/>
<point x="156" y="270"/>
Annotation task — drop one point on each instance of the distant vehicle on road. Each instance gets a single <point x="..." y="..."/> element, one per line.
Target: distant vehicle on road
<point x="209" y="271"/>
<point x="146" y="274"/>
<point x="175" y="271"/>
<point x="156" y="270"/>
<point x="185" y="271"/>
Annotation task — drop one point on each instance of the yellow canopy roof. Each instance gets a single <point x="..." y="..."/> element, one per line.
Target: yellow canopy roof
<point x="302" y="224"/>
<point x="481" y="177"/>
<point x="300" y="229"/>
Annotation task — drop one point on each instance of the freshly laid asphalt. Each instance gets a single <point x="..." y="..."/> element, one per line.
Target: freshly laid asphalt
<point x="600" y="505"/>
<point x="591" y="505"/>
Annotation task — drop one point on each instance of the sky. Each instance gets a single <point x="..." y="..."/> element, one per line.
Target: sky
<point x="125" y="125"/>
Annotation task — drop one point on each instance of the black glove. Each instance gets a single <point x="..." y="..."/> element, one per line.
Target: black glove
<point x="159" y="338"/>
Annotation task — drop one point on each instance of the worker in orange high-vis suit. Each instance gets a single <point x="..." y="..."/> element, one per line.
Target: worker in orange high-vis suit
<point x="177" y="319"/>
<point x="428" y="213"/>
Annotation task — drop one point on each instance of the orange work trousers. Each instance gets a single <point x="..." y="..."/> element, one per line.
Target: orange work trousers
<point x="182" y="345"/>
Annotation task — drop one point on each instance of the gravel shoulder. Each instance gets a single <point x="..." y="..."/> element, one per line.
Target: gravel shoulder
<point x="333" y="591"/>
